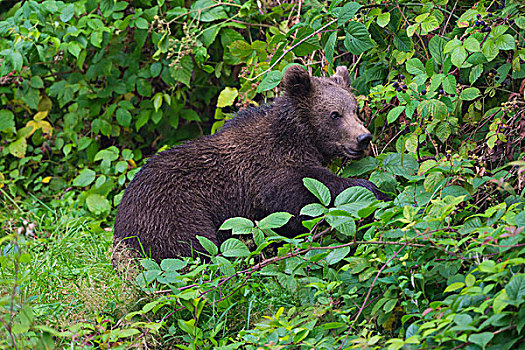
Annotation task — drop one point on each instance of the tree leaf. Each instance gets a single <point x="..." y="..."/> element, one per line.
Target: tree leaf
<point x="182" y="72"/>
<point x="233" y="248"/>
<point x="207" y="11"/>
<point x="357" y="38"/>
<point x="436" y="47"/>
<point x="67" y="12"/>
<point x="329" y="47"/>
<point x="337" y="255"/>
<point x="481" y="339"/>
<point x="318" y="189"/>
<point x="172" y="264"/>
<point x="360" y="167"/>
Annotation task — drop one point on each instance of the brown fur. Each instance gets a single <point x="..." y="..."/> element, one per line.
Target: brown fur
<point x="253" y="167"/>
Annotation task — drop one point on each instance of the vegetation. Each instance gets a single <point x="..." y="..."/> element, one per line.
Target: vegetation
<point x="89" y="89"/>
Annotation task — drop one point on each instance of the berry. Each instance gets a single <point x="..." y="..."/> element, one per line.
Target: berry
<point x="423" y="92"/>
<point x="486" y="29"/>
<point x="401" y="77"/>
<point x="452" y="95"/>
<point x="404" y="86"/>
<point x="490" y="14"/>
<point x="396" y="84"/>
<point x="441" y="91"/>
<point x="478" y="23"/>
<point x="482" y="23"/>
<point x="478" y="15"/>
<point x="398" y="89"/>
<point x="358" y="15"/>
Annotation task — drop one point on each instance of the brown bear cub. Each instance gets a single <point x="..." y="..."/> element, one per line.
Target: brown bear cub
<point x="251" y="168"/>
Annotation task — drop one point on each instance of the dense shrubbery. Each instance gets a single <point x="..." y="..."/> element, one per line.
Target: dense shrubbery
<point x="89" y="89"/>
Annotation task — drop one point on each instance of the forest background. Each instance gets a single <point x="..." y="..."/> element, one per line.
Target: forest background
<point x="90" y="89"/>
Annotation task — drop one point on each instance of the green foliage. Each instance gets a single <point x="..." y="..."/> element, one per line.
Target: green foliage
<point x="89" y="89"/>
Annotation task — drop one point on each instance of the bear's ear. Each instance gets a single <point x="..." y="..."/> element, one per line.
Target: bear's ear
<point x="297" y="82"/>
<point x="342" y="76"/>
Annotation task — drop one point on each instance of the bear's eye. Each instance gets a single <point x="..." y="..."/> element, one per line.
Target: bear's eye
<point x="335" y="115"/>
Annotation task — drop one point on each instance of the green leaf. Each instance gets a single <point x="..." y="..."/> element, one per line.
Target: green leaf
<point x="472" y="44"/>
<point x="109" y="154"/>
<point x="459" y="56"/>
<point x="347" y="12"/>
<point x="454" y="286"/>
<point x="207" y="11"/>
<point x="414" y="66"/>
<point x="337" y="255"/>
<point x="307" y="46"/>
<point x="356" y="264"/>
<point x="357" y="38"/>
<point x="271" y="80"/>
<point x="233" y="248"/>
<point x="436" y="47"/>
<point x="383" y="19"/>
<point x="516" y="289"/>
<point x="519" y="219"/>
<point x="402" y="166"/>
<point x="394" y="113"/>
<point x="505" y="42"/>
<point x="354" y="199"/>
<point x="84" y="178"/>
<point x="434" y="107"/>
<point x="141" y="23"/>
<point x="318" y="189"/>
<point x="329" y="47"/>
<point x="123" y="117"/>
<point x="98" y="204"/>
<point x="475" y="73"/>
<point x="313" y="209"/>
<point x="469" y="94"/>
<point x="238" y="225"/>
<point x="183" y="71"/>
<point x="360" y="167"/>
<point x="208" y="245"/>
<point x="67" y="13"/>
<point x="227" y="96"/>
<point x="7" y="120"/>
<point x="481" y="339"/>
<point x="275" y="220"/>
<point x="172" y="264"/>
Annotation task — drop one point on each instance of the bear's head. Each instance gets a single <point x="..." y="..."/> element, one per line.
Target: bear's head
<point x="330" y="109"/>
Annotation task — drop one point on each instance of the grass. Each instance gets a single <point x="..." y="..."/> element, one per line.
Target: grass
<point x="69" y="277"/>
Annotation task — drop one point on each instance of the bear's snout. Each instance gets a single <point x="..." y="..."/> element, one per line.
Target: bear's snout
<point x="363" y="140"/>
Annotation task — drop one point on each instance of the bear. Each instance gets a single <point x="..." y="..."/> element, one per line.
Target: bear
<point x="252" y="167"/>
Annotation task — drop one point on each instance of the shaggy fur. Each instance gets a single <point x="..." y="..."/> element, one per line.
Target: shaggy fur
<point x="253" y="167"/>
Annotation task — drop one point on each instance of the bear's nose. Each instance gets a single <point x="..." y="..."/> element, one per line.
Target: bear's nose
<point x="363" y="140"/>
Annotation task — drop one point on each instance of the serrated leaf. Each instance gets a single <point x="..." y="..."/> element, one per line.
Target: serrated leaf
<point x="275" y="220"/>
<point x="271" y="80"/>
<point x="208" y="245"/>
<point x="360" y="167"/>
<point x="516" y="289"/>
<point x="182" y="72"/>
<point x="238" y="225"/>
<point x="347" y="12"/>
<point x="67" y="12"/>
<point x="123" y="117"/>
<point x="233" y="248"/>
<point x="357" y="38"/>
<point x="469" y="94"/>
<point x="475" y="73"/>
<point x="207" y="11"/>
<point x="313" y="209"/>
<point x="318" y="189"/>
<point x="472" y="44"/>
<point x="436" y="47"/>
<point x="481" y="339"/>
<point x="329" y="47"/>
<point x="415" y="66"/>
<point x="459" y="56"/>
<point x="337" y="255"/>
